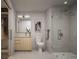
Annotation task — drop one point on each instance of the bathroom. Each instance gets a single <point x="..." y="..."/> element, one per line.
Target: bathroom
<point x="54" y="26"/>
<point x="58" y="27"/>
<point x="57" y="23"/>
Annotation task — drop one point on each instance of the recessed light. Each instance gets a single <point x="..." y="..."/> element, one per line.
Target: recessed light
<point x="27" y="16"/>
<point x="65" y="2"/>
<point x="20" y="16"/>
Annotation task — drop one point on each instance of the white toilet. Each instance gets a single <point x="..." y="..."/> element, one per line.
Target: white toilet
<point x="39" y="43"/>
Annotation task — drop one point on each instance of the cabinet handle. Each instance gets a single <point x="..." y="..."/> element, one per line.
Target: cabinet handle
<point x="17" y="40"/>
<point x="17" y="43"/>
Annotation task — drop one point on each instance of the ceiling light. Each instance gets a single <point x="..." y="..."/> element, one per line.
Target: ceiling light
<point x="20" y="16"/>
<point x="27" y="16"/>
<point x="65" y="2"/>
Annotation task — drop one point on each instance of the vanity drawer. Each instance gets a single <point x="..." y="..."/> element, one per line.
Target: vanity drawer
<point x="18" y="47"/>
<point x="17" y="41"/>
<point x="23" y="44"/>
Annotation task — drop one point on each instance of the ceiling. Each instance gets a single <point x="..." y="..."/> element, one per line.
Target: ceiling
<point x="37" y="5"/>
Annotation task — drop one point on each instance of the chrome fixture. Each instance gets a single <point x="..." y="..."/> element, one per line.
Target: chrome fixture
<point x="60" y="34"/>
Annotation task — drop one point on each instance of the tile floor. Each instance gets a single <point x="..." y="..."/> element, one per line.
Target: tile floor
<point x="44" y="55"/>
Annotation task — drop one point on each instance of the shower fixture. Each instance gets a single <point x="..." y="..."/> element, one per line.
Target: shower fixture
<point x="60" y="34"/>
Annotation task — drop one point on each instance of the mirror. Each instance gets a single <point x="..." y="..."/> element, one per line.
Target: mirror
<point x="23" y="26"/>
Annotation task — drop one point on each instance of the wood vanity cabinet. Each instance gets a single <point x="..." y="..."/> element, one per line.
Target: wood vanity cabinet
<point x="23" y="43"/>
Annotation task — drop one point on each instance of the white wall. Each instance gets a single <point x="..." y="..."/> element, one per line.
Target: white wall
<point x="67" y="22"/>
<point x="74" y="29"/>
<point x="11" y="26"/>
<point x="49" y="26"/>
<point x="35" y="17"/>
<point x="58" y="21"/>
<point x="72" y="16"/>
